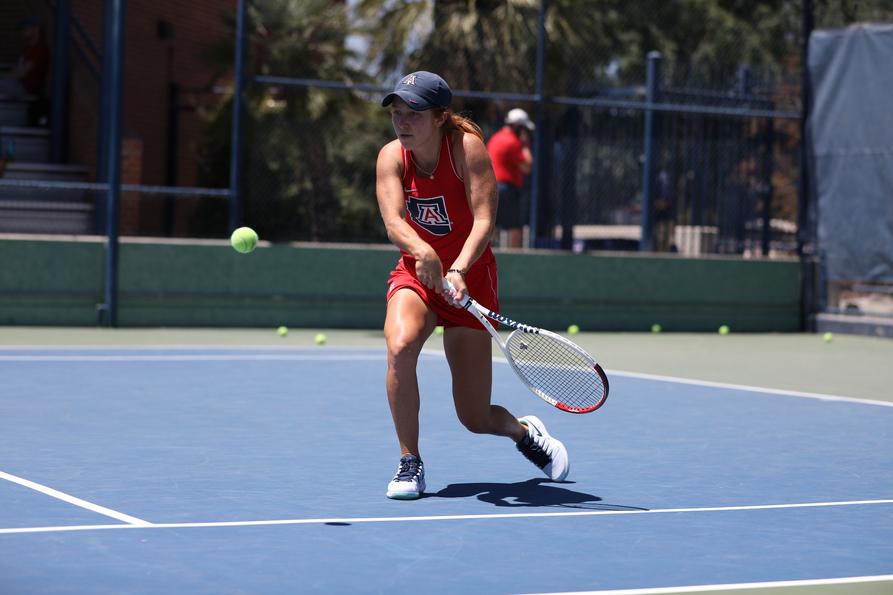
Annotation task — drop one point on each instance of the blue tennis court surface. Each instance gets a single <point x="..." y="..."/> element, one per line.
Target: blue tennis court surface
<point x="218" y="470"/>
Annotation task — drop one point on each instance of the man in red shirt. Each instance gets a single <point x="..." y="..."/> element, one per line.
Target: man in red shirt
<point x="509" y="150"/>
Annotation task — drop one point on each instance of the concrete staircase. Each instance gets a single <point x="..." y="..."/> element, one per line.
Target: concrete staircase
<point x="30" y="209"/>
<point x="14" y="111"/>
<point x="31" y="144"/>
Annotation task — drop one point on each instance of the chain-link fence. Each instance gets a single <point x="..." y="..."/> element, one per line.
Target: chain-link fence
<point x="661" y="126"/>
<point x="721" y="150"/>
<point x="713" y="174"/>
<point x="709" y="163"/>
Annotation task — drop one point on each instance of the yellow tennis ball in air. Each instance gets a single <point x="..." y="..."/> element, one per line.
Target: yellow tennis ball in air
<point x="319" y="339"/>
<point x="438" y="330"/>
<point x="282" y="330"/>
<point x="724" y="330"/>
<point x="573" y="329"/>
<point x="244" y="240"/>
<point x="656" y="328"/>
<point x="828" y="337"/>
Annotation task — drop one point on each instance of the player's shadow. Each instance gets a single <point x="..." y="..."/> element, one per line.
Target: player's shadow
<point x="538" y="492"/>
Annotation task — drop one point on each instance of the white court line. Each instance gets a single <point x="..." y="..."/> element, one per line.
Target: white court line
<point x="428" y="352"/>
<point x="133" y="521"/>
<point x="724" y="385"/>
<point x="754" y="389"/>
<point x="183" y="347"/>
<point x="451" y="517"/>
<point x="184" y="358"/>
<point x="371" y="357"/>
<point x="735" y="586"/>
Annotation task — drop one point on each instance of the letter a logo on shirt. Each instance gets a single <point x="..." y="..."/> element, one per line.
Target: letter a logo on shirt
<point x="429" y="214"/>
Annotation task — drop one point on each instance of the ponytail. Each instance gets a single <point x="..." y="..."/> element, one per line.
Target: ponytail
<point x="456" y="122"/>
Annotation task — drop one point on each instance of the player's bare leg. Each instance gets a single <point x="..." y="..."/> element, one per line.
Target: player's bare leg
<point x="469" y="353"/>
<point x="407" y="326"/>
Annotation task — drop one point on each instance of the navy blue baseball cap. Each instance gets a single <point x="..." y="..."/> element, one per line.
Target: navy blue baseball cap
<point x="421" y="91"/>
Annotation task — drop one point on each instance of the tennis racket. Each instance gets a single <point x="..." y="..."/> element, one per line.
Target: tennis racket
<point x="555" y="369"/>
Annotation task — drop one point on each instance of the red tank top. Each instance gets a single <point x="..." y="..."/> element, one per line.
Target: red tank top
<point x="437" y="207"/>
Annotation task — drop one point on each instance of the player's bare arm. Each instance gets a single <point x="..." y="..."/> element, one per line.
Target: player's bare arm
<point x="480" y="188"/>
<point x="389" y="191"/>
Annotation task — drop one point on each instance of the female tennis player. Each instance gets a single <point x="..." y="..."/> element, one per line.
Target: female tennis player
<point x="437" y="196"/>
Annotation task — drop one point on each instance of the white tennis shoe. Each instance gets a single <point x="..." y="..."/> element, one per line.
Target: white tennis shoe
<point x="544" y="451"/>
<point x="409" y="482"/>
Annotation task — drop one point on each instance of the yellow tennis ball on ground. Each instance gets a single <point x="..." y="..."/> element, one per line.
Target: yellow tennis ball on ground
<point x="724" y="330"/>
<point x="656" y="328"/>
<point x="244" y="240"/>
<point x="319" y="339"/>
<point x="282" y="330"/>
<point x="438" y="330"/>
<point x="828" y="337"/>
<point x="573" y="329"/>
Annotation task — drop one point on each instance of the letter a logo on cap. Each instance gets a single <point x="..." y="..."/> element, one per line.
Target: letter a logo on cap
<point x="410" y="80"/>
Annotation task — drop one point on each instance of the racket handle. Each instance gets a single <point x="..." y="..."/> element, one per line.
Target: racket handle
<point x="475" y="310"/>
<point x="447" y="286"/>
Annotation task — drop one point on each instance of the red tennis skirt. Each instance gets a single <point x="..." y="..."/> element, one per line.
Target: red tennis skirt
<point x="483" y="286"/>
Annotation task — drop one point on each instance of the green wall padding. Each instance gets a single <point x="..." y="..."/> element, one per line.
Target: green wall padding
<point x="60" y="282"/>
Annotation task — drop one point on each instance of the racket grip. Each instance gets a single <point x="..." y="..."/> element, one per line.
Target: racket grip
<point x="447" y="286"/>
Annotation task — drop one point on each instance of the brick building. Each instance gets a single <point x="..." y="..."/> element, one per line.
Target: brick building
<point x="167" y="74"/>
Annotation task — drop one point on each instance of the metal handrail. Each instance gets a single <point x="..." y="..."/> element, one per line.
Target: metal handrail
<point x="92" y="53"/>
<point x="101" y="187"/>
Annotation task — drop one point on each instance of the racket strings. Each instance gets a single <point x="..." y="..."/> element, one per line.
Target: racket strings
<point x="557" y="369"/>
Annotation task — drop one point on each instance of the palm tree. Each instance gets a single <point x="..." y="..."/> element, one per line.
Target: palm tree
<point x="490" y="45"/>
<point x="484" y="45"/>
<point x="296" y="135"/>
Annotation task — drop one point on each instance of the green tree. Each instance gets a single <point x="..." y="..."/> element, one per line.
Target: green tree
<point x="490" y="45"/>
<point x="485" y="45"/>
<point x="310" y="152"/>
<point x="302" y="143"/>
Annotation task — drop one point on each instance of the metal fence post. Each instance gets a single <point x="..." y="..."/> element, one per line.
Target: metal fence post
<point x="61" y="76"/>
<point x="805" y="237"/>
<point x="112" y="89"/>
<point x="806" y="248"/>
<point x="235" y="159"/>
<point x="646" y="242"/>
<point x="767" y="191"/>
<point x="538" y="156"/>
<point x="101" y="217"/>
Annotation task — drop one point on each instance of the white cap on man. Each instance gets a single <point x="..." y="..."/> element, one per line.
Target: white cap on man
<point x="519" y="116"/>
